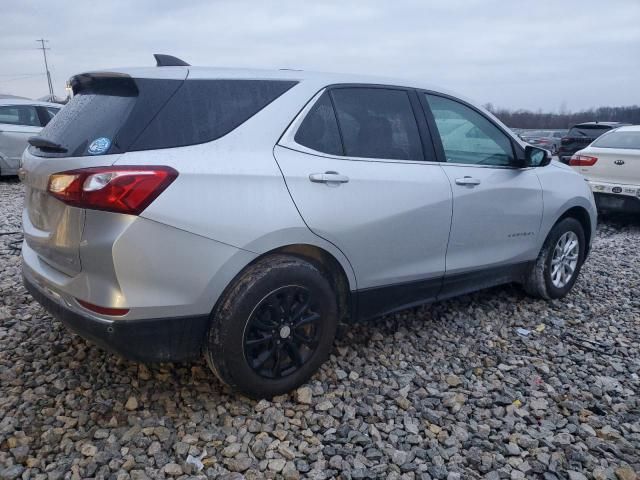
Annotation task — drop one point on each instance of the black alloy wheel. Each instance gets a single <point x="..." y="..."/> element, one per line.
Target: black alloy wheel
<point x="273" y="326"/>
<point x="282" y="332"/>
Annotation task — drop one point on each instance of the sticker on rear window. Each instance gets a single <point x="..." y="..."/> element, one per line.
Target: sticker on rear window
<point x="99" y="146"/>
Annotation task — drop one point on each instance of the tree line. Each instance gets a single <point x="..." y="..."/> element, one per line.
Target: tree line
<point x="563" y="120"/>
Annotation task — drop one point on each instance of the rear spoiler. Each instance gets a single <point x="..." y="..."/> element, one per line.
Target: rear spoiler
<point x="114" y="82"/>
<point x="123" y="81"/>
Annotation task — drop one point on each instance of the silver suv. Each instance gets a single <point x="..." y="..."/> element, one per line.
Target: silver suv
<point x="174" y="211"/>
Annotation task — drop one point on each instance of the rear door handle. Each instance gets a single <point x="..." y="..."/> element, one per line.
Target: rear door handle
<point x="328" y="177"/>
<point x="467" y="181"/>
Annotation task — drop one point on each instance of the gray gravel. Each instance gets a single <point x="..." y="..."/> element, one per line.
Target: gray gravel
<point x="448" y="391"/>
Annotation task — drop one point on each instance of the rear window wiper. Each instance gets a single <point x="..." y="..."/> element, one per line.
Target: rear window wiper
<point x="43" y="143"/>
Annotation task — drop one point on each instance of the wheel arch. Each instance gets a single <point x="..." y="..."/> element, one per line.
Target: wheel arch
<point x="581" y="215"/>
<point x="321" y="258"/>
<point x="328" y="264"/>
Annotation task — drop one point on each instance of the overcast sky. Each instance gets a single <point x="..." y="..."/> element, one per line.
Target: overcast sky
<point x="516" y="54"/>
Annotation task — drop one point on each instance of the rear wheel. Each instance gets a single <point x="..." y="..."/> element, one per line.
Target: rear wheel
<point x="558" y="264"/>
<point x="273" y="328"/>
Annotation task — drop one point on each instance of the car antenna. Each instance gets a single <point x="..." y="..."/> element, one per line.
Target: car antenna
<point x="163" y="60"/>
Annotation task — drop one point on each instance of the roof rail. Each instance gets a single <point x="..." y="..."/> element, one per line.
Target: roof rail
<point x="163" y="60"/>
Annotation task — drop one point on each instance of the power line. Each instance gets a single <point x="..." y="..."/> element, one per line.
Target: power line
<point x="46" y="65"/>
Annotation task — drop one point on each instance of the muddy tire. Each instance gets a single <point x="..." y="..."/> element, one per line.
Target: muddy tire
<point x="273" y="327"/>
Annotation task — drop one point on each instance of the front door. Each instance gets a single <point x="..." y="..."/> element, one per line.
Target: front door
<point x="497" y="206"/>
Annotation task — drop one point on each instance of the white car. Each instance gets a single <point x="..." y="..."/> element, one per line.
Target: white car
<point x="611" y="164"/>
<point x="19" y="120"/>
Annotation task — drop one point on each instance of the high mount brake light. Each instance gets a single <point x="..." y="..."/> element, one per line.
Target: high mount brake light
<point x="582" y="161"/>
<point x="119" y="189"/>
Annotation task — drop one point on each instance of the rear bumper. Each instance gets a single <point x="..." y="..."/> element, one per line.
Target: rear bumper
<point x="608" y="202"/>
<point x="148" y="340"/>
<point x="616" y="197"/>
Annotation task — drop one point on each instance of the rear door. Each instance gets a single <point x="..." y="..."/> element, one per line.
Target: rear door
<point x="364" y="179"/>
<point x="497" y="207"/>
<point x="17" y="124"/>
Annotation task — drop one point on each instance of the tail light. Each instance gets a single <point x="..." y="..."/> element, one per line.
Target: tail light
<point x="120" y="189"/>
<point x="582" y="161"/>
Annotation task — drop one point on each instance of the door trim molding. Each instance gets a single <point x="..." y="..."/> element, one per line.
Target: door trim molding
<point x="370" y="303"/>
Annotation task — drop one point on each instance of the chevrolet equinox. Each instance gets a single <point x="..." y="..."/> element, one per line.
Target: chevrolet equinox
<point x="174" y="211"/>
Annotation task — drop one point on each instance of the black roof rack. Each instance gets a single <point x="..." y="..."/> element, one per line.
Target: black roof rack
<point x="163" y="60"/>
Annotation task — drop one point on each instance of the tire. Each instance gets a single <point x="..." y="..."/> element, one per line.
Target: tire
<point x="252" y="341"/>
<point x="539" y="282"/>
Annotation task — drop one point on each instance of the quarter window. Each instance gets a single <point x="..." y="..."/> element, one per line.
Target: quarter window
<point x="19" y="115"/>
<point x="377" y="123"/>
<point x="467" y="136"/>
<point x="205" y="110"/>
<point x="319" y="129"/>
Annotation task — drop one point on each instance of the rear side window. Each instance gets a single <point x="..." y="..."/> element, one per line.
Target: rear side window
<point x="630" y="140"/>
<point x="205" y="110"/>
<point x="377" y="123"/>
<point x="128" y="114"/>
<point x="24" y="115"/>
<point x="319" y="129"/>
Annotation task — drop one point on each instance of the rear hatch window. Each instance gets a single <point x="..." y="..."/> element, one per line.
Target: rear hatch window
<point x="630" y="140"/>
<point x="587" y="131"/>
<point x="111" y="115"/>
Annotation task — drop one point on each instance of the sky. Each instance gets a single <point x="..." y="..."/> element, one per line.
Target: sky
<point x="547" y="55"/>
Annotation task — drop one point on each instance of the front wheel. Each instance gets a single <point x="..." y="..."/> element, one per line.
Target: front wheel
<point x="558" y="264"/>
<point x="273" y="327"/>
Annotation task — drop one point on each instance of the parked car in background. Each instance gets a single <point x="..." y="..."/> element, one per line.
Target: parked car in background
<point x="273" y="205"/>
<point x="611" y="164"/>
<point x="548" y="139"/>
<point x="581" y="135"/>
<point x="19" y="120"/>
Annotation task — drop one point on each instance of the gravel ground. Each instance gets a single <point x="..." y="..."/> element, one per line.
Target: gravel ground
<point x="446" y="391"/>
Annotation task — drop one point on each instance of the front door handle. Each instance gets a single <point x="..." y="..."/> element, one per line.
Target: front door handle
<point x="467" y="181"/>
<point x="328" y="177"/>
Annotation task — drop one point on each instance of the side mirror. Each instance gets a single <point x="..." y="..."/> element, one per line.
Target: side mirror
<point x="536" y="157"/>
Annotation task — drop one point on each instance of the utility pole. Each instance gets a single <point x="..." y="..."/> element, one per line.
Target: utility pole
<point x="46" y="66"/>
